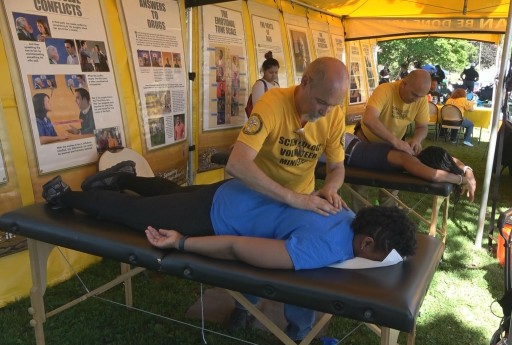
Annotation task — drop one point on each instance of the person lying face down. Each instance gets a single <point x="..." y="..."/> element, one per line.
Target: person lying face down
<point x="432" y="164"/>
<point x="228" y="220"/>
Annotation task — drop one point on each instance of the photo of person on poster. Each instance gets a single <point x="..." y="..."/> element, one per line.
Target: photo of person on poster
<point x="24" y="29"/>
<point x="45" y="128"/>
<point x="179" y="127"/>
<point x="221" y="85"/>
<point x="71" y="50"/>
<point x="86" y="117"/>
<point x="43" y="29"/>
<point x="300" y="50"/>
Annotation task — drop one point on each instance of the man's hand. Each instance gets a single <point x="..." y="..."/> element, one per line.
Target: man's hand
<point x="313" y="203"/>
<point x="403" y="146"/>
<point x="332" y="197"/>
<point x="73" y="130"/>
<point x="415" y="146"/>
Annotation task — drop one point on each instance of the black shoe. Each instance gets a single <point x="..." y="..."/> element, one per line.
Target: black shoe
<point x="240" y="319"/>
<point x="54" y="189"/>
<point x="107" y="179"/>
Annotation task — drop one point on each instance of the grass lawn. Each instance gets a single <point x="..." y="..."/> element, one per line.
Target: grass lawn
<point x="459" y="307"/>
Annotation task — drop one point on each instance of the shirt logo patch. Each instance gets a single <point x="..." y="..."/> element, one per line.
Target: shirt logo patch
<point x="253" y="125"/>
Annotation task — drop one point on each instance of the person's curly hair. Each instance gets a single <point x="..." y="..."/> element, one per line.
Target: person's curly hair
<point x="438" y="158"/>
<point x="389" y="227"/>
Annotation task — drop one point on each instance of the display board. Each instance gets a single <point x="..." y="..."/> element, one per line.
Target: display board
<point x="156" y="48"/>
<point x="67" y="78"/>
<point x="268" y="37"/>
<point x="224" y="67"/>
<point x="300" y="48"/>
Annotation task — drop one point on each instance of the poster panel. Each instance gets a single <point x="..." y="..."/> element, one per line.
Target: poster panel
<point x="357" y="92"/>
<point x="224" y="68"/>
<point x="156" y="47"/>
<point x="369" y="66"/>
<point x="300" y="53"/>
<point x="267" y="37"/>
<point x="321" y="43"/>
<point x="338" y="43"/>
<point x="66" y="73"/>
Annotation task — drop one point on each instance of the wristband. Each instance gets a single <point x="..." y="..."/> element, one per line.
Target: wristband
<point x="181" y="243"/>
<point x="466" y="168"/>
<point x="460" y="182"/>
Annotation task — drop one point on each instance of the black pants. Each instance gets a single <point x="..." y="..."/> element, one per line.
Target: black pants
<point x="160" y="203"/>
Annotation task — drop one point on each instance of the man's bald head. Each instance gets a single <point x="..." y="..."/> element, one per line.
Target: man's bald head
<point x="327" y="71"/>
<point x="415" y="85"/>
<point x="323" y="86"/>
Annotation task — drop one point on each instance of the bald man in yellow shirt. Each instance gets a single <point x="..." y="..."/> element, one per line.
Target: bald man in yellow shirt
<point x="390" y="109"/>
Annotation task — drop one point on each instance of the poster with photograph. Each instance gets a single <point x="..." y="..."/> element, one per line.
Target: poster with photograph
<point x="224" y="68"/>
<point x="368" y="64"/>
<point x="156" y="45"/>
<point x="267" y="37"/>
<point x="321" y="43"/>
<point x="356" y="90"/>
<point x="300" y="53"/>
<point x="70" y="90"/>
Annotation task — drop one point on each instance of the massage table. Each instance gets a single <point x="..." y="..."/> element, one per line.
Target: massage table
<point x="389" y="297"/>
<point x="440" y="191"/>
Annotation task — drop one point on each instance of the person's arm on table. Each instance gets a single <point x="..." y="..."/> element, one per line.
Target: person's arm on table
<point x="259" y="252"/>
<point x="241" y="165"/>
<point x="469" y="176"/>
<point x="372" y="121"/>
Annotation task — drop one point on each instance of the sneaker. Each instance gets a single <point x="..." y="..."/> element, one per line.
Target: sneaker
<point x="240" y="319"/>
<point x="454" y="141"/>
<point x="467" y="143"/>
<point x="54" y="189"/>
<point x="107" y="179"/>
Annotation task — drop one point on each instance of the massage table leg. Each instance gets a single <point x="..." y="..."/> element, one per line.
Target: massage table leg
<point x="437" y="201"/>
<point x="272" y="327"/>
<point x="38" y="254"/>
<point x="388" y="336"/>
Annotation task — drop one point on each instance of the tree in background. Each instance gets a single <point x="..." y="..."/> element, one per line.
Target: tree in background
<point x="485" y="55"/>
<point x="452" y="54"/>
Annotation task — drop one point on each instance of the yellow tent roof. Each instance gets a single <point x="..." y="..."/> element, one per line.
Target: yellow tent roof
<point x="382" y="19"/>
<point x="411" y="8"/>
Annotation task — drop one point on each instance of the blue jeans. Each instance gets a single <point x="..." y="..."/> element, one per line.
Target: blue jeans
<point x="468" y="125"/>
<point x="300" y="320"/>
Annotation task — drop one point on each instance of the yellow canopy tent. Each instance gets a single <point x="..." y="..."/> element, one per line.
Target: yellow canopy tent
<point x="485" y="20"/>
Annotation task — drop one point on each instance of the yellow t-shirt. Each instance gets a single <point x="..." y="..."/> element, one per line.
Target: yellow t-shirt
<point x="271" y="131"/>
<point x="394" y="113"/>
<point x="462" y="103"/>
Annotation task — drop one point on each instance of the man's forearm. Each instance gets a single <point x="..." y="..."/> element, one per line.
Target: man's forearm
<point x="252" y="176"/>
<point x="335" y="176"/>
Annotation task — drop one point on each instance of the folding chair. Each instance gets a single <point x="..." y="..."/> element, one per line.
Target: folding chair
<point x="451" y="119"/>
<point x="433" y="119"/>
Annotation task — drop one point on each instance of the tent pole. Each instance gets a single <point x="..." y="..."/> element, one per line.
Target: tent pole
<point x="190" y="123"/>
<point x="496" y="115"/>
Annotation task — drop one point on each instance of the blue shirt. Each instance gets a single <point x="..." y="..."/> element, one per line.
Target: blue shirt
<point x="312" y="240"/>
<point x="45" y="128"/>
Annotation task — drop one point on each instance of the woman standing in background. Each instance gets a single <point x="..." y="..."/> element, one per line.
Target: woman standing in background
<point x="270" y="69"/>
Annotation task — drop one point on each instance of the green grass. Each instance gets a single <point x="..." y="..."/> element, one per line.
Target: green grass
<point x="459" y="307"/>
